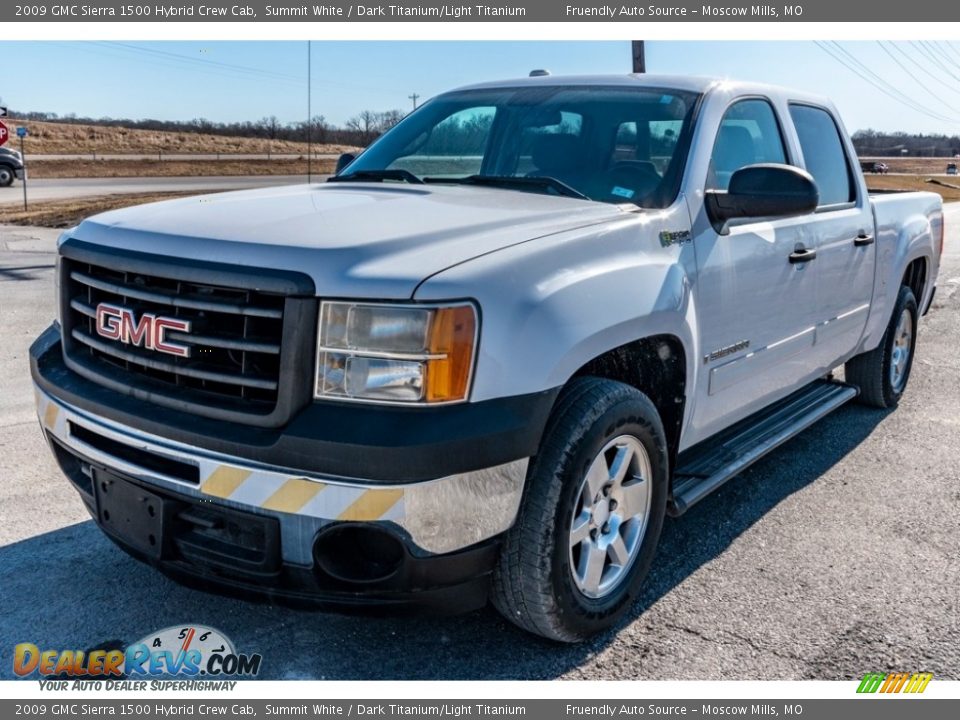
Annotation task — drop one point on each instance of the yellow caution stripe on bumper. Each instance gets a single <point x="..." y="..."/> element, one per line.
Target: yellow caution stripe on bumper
<point x="302" y="496"/>
<point x="293" y="495"/>
<point x="372" y="505"/>
<point x="223" y="481"/>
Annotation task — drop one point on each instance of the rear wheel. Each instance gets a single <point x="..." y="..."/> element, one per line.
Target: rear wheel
<point x="882" y="373"/>
<point x="6" y="176"/>
<point x="591" y="517"/>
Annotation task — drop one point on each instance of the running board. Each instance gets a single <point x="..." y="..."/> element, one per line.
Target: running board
<point x="708" y="465"/>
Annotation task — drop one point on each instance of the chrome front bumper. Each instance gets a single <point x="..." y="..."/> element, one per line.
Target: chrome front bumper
<point x="437" y="516"/>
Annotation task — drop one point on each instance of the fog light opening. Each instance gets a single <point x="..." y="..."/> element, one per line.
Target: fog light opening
<point x="358" y="553"/>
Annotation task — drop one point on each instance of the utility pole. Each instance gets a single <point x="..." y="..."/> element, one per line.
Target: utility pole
<point x="414" y="97"/>
<point x="23" y="159"/>
<point x="639" y="58"/>
<point x="309" y="114"/>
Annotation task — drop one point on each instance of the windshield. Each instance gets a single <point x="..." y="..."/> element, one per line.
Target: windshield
<point x="615" y="145"/>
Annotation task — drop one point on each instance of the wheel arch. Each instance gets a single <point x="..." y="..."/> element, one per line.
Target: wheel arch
<point x="656" y="366"/>
<point x="915" y="278"/>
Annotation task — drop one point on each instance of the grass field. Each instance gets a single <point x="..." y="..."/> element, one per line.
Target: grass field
<point x="67" y="213"/>
<point x="915" y="182"/>
<point x="172" y="168"/>
<point x="915" y="166"/>
<point x="50" y="138"/>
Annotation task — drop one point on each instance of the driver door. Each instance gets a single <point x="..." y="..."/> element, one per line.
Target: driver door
<point x="757" y="309"/>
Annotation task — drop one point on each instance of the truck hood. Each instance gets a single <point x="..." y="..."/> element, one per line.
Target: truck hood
<point x="371" y="240"/>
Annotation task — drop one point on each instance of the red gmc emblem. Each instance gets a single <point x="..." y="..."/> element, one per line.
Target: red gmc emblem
<point x="118" y="323"/>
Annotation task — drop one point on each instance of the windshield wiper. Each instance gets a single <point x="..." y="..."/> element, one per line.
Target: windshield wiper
<point x="517" y="181"/>
<point x="377" y="176"/>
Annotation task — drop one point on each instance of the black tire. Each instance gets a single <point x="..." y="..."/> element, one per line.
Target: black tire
<point x="6" y="176"/>
<point x="533" y="584"/>
<point x="871" y="371"/>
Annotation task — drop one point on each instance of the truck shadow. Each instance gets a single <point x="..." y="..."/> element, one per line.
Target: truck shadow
<point x="72" y="588"/>
<point x="26" y="272"/>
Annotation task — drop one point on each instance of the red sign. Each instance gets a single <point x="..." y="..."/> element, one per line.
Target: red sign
<point x="4" y="133"/>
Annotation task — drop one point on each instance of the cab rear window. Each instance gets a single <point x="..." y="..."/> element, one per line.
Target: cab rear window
<point x="823" y="154"/>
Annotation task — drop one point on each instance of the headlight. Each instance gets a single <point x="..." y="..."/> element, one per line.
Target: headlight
<point x="395" y="353"/>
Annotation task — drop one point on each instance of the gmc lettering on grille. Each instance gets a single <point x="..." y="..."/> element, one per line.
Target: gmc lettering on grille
<point x="118" y="323"/>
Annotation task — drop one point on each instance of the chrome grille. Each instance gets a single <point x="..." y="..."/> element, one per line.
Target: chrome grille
<point x="235" y="338"/>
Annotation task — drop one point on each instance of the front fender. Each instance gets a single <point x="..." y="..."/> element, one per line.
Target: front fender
<point x="551" y="305"/>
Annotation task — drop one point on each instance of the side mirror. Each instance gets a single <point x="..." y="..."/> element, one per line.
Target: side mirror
<point x="344" y="160"/>
<point x="759" y="191"/>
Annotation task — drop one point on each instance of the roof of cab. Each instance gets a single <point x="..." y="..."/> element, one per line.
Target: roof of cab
<point x="690" y="83"/>
<point x="676" y="82"/>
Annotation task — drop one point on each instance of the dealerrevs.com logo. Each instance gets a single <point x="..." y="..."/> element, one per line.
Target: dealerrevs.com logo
<point x="192" y="651"/>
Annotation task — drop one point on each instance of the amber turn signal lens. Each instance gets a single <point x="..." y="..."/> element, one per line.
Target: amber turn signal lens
<point x="452" y="334"/>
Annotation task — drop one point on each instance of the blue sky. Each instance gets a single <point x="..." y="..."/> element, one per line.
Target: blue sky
<point x="227" y="81"/>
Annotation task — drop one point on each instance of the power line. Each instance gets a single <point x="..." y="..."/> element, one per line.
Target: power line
<point x="879" y="79"/>
<point x="863" y="72"/>
<point x="949" y="86"/>
<point x="829" y="51"/>
<point x="946" y="52"/>
<point x="925" y="51"/>
<point x="952" y="48"/>
<point x="915" y="78"/>
<point x="232" y="69"/>
<point x="202" y="61"/>
<point x="121" y="53"/>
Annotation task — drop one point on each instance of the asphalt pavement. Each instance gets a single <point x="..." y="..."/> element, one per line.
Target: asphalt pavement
<point x="833" y="556"/>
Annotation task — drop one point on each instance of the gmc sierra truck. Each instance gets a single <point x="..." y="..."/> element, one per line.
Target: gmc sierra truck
<point x="490" y="355"/>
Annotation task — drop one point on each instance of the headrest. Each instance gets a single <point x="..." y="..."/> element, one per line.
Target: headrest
<point x="734" y="149"/>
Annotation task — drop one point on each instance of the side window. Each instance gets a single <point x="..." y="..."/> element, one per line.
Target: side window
<point x="823" y="154"/>
<point x="748" y="134"/>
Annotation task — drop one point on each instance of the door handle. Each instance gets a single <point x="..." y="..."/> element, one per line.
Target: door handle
<point x="863" y="239"/>
<point x="802" y="255"/>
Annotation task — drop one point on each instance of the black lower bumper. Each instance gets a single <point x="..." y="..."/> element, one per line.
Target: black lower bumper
<point x="231" y="552"/>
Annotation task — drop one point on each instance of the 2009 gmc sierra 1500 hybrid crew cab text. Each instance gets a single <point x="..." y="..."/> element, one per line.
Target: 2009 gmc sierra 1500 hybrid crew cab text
<point x="490" y="356"/>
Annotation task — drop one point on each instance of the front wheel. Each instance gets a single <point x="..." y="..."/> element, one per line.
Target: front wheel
<point x="882" y="373"/>
<point x="591" y="516"/>
<point x="6" y="176"/>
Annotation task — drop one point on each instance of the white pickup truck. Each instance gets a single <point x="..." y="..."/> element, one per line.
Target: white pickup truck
<point x="491" y="355"/>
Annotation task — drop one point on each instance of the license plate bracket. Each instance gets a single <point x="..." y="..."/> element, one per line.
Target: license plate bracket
<point x="130" y="513"/>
